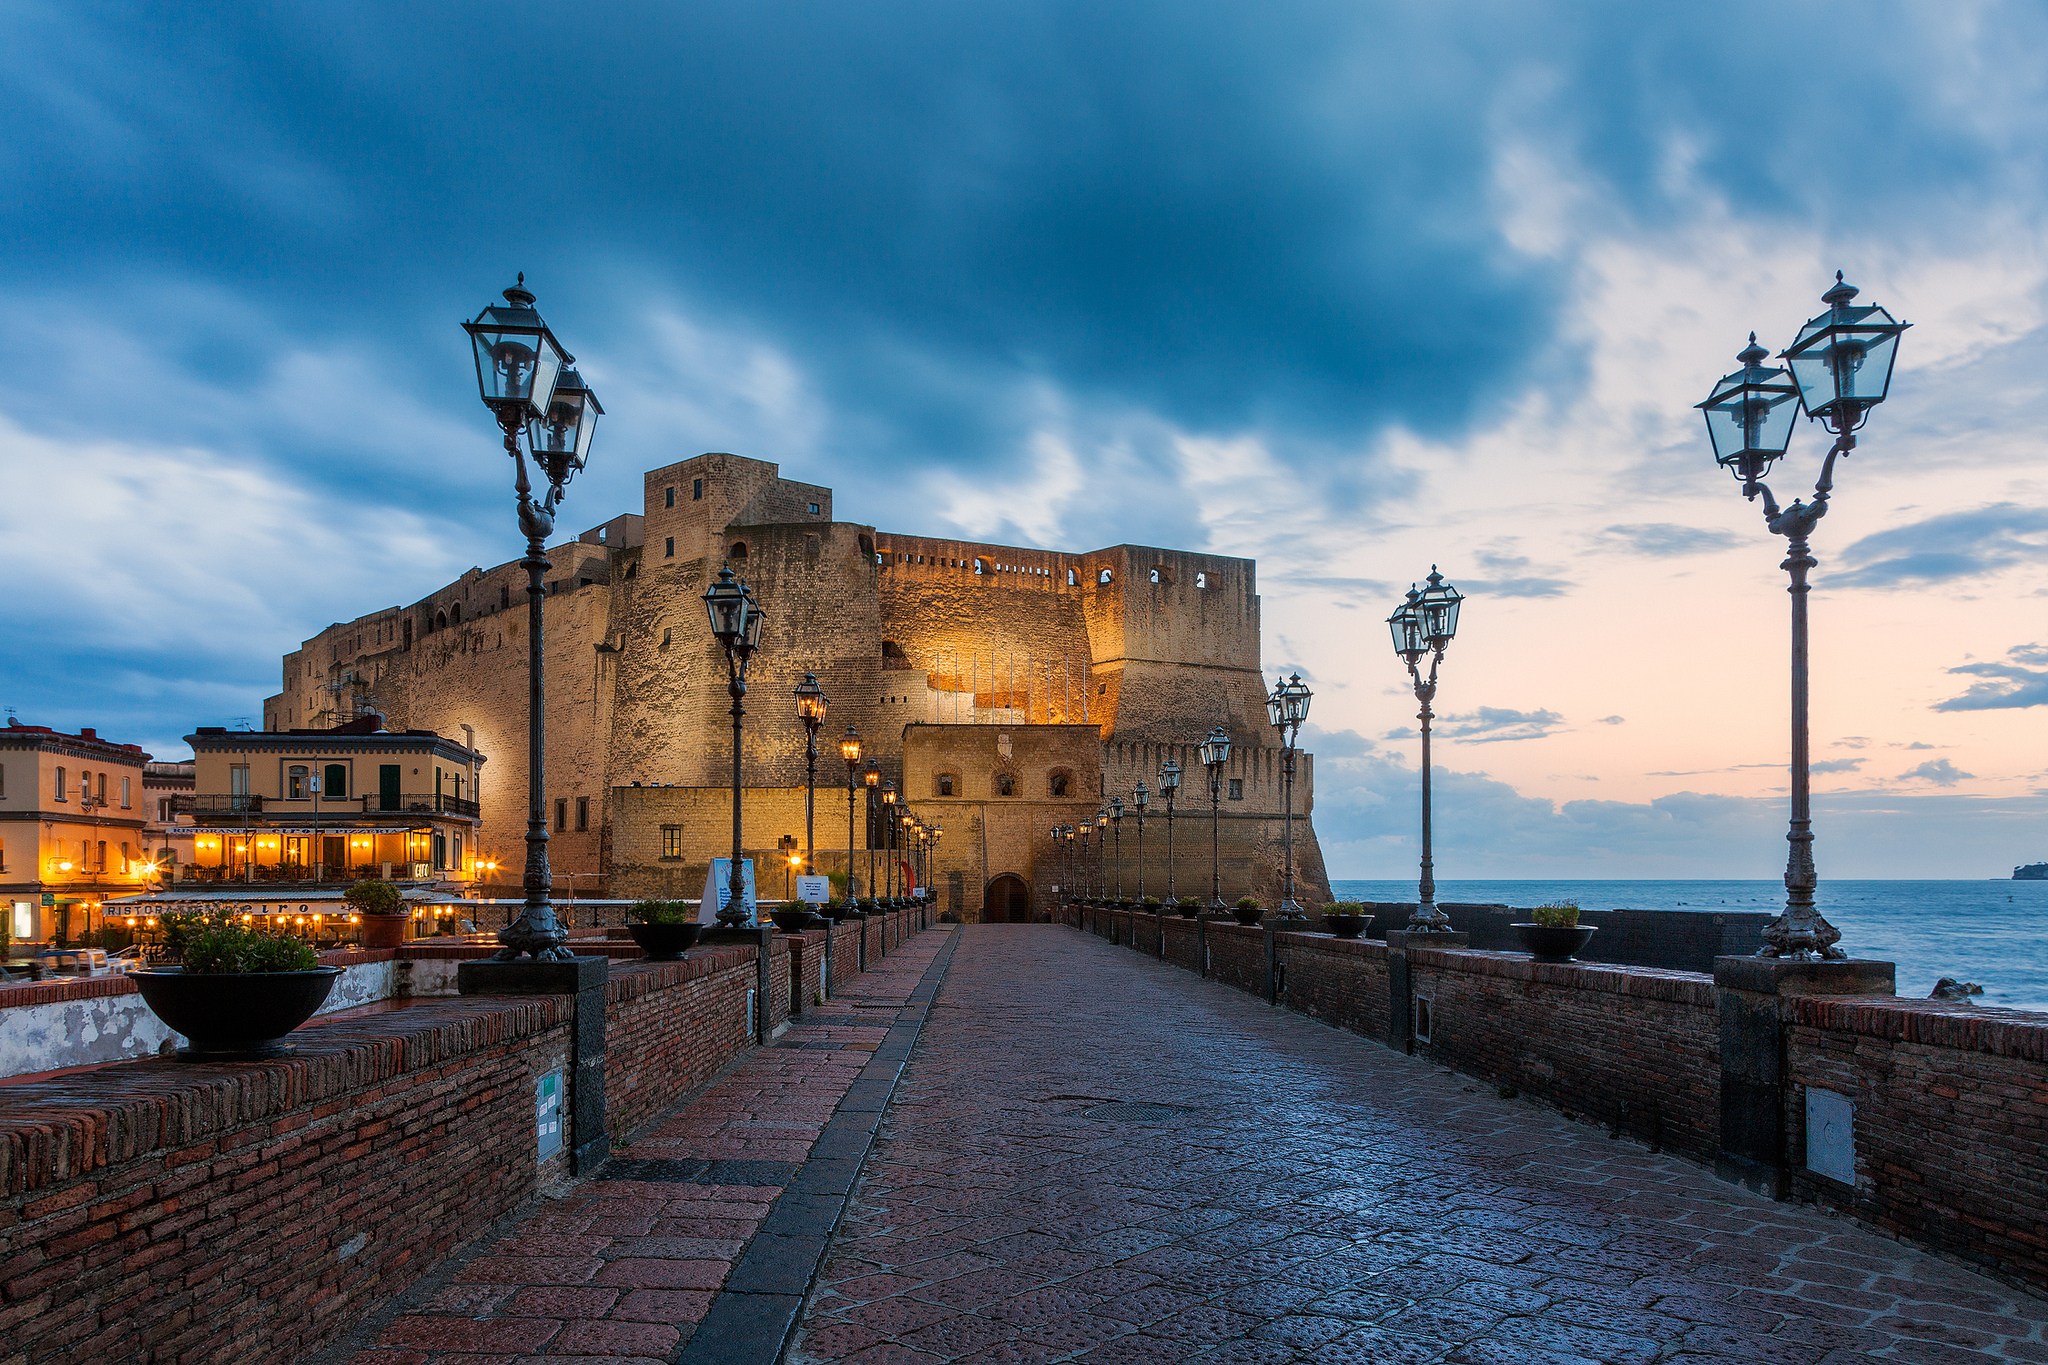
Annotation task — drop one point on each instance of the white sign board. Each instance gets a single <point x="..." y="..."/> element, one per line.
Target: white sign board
<point x="718" y="890"/>
<point x="1830" y="1135"/>
<point x="814" y="890"/>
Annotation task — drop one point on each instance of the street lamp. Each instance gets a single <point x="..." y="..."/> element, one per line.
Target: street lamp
<point x="528" y="382"/>
<point x="1101" y="853"/>
<point x="1116" y="828"/>
<point x="888" y="837"/>
<point x="1216" y="753"/>
<point x="1287" y="708"/>
<point x="849" y="749"/>
<point x="1140" y="798"/>
<point x="1425" y="624"/>
<point x="1840" y="368"/>
<point x="736" y="621"/>
<point x="1169" y="783"/>
<point x="871" y="779"/>
<point x="810" y="709"/>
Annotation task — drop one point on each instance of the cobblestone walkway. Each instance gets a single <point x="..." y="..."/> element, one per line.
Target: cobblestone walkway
<point x="1320" y="1199"/>
<point x="623" y="1267"/>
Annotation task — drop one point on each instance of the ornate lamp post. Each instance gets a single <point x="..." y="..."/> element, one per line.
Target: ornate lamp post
<point x="1216" y="753"/>
<point x="889" y="838"/>
<point x="1169" y="783"/>
<point x="1084" y="869"/>
<point x="527" y="381"/>
<point x="871" y="779"/>
<point x="849" y="749"/>
<point x="736" y="621"/>
<point x="1287" y="708"/>
<point x="1141" y="797"/>
<point x="1116" y="827"/>
<point x="1840" y="368"/>
<point x="1101" y="853"/>
<point x="1425" y="624"/>
<point x="811" y="704"/>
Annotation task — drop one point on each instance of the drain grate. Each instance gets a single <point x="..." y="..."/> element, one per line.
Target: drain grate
<point x="1136" y="1113"/>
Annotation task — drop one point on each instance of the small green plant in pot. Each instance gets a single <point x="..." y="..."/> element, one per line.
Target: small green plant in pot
<point x="1150" y="905"/>
<point x="1345" y="919"/>
<point x="665" y="930"/>
<point x="239" y="993"/>
<point x="1188" y="907"/>
<point x="1553" y="933"/>
<point x="792" y="917"/>
<point x="383" y="913"/>
<point x="1248" y="910"/>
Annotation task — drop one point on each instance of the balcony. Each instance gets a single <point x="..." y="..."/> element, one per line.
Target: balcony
<point x="216" y="805"/>
<point x="430" y="802"/>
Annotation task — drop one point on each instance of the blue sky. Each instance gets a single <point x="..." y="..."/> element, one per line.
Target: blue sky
<point x="1351" y="288"/>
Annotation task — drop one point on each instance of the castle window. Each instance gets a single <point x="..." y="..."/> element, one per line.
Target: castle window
<point x="1058" y="783"/>
<point x="668" y="549"/>
<point x="440" y="620"/>
<point x="561" y="813"/>
<point x="980" y="567"/>
<point x="1103" y="576"/>
<point x="671" y="498"/>
<point x="583" y="812"/>
<point x="892" y="650"/>
<point x="1073" y="579"/>
<point x="456" y="613"/>
<point x="633" y="570"/>
<point x="814" y="508"/>
<point x="1237" y="789"/>
<point x="504" y="596"/>
<point x="672" y="835"/>
<point x="1006" y="785"/>
<point x="697" y="490"/>
<point x="1155" y="575"/>
<point x="1201" y="580"/>
<point x="943" y="786"/>
<point x="738" y="550"/>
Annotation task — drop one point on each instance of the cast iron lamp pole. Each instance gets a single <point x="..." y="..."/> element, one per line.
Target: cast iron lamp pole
<point x="527" y="381"/>
<point x="889" y="838"/>
<point x="1216" y="753"/>
<point x="1101" y="853"/>
<point x="871" y="780"/>
<point x="1169" y="783"/>
<point x="1287" y="708"/>
<point x="1116" y="827"/>
<point x="811" y="704"/>
<point x="736" y="621"/>
<point x="849" y="749"/>
<point x="1141" y="797"/>
<point x="1840" y="368"/>
<point x="1426" y="624"/>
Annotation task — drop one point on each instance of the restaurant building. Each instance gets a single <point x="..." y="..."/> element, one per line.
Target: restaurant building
<point x="72" y="828"/>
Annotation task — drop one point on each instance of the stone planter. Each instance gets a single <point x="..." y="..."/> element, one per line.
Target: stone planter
<point x="1188" y="909"/>
<point x="665" y="942"/>
<point x="234" y="1016"/>
<point x="1346" y="926"/>
<point x="1553" y="943"/>
<point x="791" y="921"/>
<point x="1247" y="916"/>
<point x="384" y="931"/>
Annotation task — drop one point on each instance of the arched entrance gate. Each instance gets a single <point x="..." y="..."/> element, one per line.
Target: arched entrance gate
<point x="1007" y="900"/>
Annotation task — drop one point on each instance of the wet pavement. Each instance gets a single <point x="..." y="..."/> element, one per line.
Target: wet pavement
<point x="1310" y="1196"/>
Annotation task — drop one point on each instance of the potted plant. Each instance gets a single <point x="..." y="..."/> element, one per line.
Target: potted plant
<point x="1555" y="934"/>
<point x="1346" y="919"/>
<point x="862" y="907"/>
<point x="665" y="930"/>
<point x="1248" y="910"/>
<point x="1188" y="907"/>
<point x="792" y="917"/>
<point x="238" y="994"/>
<point x="383" y="912"/>
<point x="1150" y="905"/>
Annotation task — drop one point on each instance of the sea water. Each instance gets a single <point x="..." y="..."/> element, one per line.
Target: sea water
<point x="1992" y="933"/>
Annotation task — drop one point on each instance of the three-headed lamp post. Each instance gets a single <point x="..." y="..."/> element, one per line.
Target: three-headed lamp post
<point x="1425" y="624"/>
<point x="736" y="621"/>
<point x="1216" y="753"/>
<point x="530" y="385"/>
<point x="1169" y="785"/>
<point x="1287" y="708"/>
<point x="811" y="704"/>
<point x="1840" y="367"/>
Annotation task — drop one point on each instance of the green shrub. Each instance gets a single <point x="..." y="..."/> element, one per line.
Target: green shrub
<point x="1150" y="903"/>
<point x="1188" y="902"/>
<point x="1247" y="902"/>
<point x="1557" y="914"/>
<point x="664" y="912"/>
<point x="229" y="948"/>
<point x="1343" y="908"/>
<point x="375" y="898"/>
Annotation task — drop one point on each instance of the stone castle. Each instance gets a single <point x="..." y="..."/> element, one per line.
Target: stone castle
<point x="1004" y="690"/>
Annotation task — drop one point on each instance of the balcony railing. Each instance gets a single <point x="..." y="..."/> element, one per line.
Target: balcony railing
<point x="432" y="802"/>
<point x="215" y="805"/>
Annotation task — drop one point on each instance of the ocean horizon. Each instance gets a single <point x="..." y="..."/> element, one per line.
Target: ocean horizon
<point x="1994" y="933"/>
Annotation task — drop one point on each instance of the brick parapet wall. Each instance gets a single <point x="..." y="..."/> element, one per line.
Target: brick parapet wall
<point x="1342" y="982"/>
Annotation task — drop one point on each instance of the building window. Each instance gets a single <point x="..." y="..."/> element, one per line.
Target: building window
<point x="335" y="787"/>
<point x="1237" y="789"/>
<point x="1006" y="785"/>
<point x="814" y="509"/>
<point x="60" y="793"/>
<point x="670" y="500"/>
<point x="504" y="596"/>
<point x="672" y="835"/>
<point x="1201" y="580"/>
<point x="125" y="804"/>
<point x="738" y="550"/>
<point x="583" y="812"/>
<point x="100" y="864"/>
<point x="1103" y="576"/>
<point x="295" y="783"/>
<point x="696" y="490"/>
<point x="945" y="784"/>
<point x="238" y="780"/>
<point x="1073" y="579"/>
<point x="1058" y="784"/>
<point x="668" y="550"/>
<point x="561" y="813"/>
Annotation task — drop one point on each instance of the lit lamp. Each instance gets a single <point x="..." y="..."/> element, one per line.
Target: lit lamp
<point x="1840" y="367"/>
<point x="1215" y="753"/>
<point x="1286" y="709"/>
<point x="849" y="749"/>
<point x="1116" y="830"/>
<point x="811" y="704"/>
<point x="736" y="623"/>
<point x="1140" y="799"/>
<point x="528" y="382"/>
<point x="888" y="837"/>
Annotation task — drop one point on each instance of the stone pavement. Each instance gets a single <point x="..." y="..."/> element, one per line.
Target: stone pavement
<point x="1313" y="1197"/>
<point x="627" y="1265"/>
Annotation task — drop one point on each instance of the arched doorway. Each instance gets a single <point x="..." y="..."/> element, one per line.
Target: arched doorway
<point x="1007" y="901"/>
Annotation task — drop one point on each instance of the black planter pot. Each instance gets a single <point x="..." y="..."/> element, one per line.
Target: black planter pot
<point x="791" y="921"/>
<point x="234" y="1016"/>
<point x="1552" y="943"/>
<point x="834" y="911"/>
<point x="1188" y="911"/>
<point x="1244" y="916"/>
<point x="665" y="942"/>
<point x="1346" y="926"/>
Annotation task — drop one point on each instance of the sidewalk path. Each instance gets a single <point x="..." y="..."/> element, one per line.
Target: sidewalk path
<point x="624" y="1267"/>
<point x="1313" y="1198"/>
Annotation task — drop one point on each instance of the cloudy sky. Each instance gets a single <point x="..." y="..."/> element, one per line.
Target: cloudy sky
<point x="1351" y="288"/>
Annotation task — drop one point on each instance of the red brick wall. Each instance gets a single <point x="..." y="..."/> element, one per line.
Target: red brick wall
<point x="671" y="1025"/>
<point x="1342" y="982"/>
<point x="1585" y="1038"/>
<point x="1951" y="1121"/>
